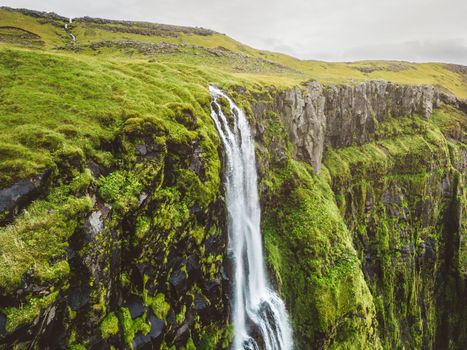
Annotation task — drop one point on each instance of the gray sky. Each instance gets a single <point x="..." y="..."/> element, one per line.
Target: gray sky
<point x="333" y="30"/>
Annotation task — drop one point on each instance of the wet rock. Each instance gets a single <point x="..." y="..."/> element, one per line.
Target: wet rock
<point x="77" y="298"/>
<point x="157" y="326"/>
<point x="224" y="274"/>
<point x="200" y="302"/>
<point x="95" y="222"/>
<point x="21" y="193"/>
<point x="136" y="308"/>
<point x="178" y="280"/>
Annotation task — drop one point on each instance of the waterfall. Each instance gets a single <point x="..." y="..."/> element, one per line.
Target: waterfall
<point x="258" y="314"/>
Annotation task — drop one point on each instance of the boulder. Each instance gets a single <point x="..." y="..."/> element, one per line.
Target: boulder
<point x="13" y="198"/>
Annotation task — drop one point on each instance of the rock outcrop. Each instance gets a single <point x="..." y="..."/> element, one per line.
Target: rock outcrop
<point x="318" y="116"/>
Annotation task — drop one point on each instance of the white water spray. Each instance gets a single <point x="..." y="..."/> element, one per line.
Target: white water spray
<point x="259" y="315"/>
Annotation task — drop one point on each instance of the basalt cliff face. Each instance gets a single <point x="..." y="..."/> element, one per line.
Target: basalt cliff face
<point x="395" y="166"/>
<point x="362" y="189"/>
<point x="319" y="117"/>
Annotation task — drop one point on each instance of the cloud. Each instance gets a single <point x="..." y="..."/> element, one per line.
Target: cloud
<point x="444" y="50"/>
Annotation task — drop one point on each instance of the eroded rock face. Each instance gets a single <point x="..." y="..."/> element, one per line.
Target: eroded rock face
<point x="15" y="197"/>
<point x="319" y="116"/>
<point x="404" y="213"/>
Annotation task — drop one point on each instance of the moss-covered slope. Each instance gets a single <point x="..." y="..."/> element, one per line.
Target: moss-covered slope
<point x="112" y="229"/>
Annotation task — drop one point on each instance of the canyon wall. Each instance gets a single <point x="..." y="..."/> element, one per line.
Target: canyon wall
<point x="362" y="193"/>
<point x="394" y="157"/>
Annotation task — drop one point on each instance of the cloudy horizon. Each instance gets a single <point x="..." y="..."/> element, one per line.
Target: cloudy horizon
<point x="333" y="30"/>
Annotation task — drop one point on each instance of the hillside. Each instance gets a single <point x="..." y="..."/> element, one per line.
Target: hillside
<point x="113" y="221"/>
<point x="125" y="40"/>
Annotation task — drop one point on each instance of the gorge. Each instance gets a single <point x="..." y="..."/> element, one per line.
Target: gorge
<point x="167" y="187"/>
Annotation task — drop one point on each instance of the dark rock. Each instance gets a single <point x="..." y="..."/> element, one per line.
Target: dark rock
<point x="77" y="298"/>
<point x="428" y="248"/>
<point x="260" y="130"/>
<point x="209" y="285"/>
<point x="196" y="164"/>
<point x="200" y="302"/>
<point x="2" y="324"/>
<point x="172" y="318"/>
<point x="136" y="308"/>
<point x="446" y="186"/>
<point x="20" y="194"/>
<point x="157" y="326"/>
<point x="192" y="264"/>
<point x="96" y="169"/>
<point x="178" y="279"/>
<point x="183" y="333"/>
<point x="140" y="340"/>
<point x="224" y="274"/>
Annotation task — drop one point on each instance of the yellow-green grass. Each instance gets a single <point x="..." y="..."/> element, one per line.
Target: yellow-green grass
<point x="50" y="34"/>
<point x="248" y="62"/>
<point x="51" y="101"/>
<point x="63" y="106"/>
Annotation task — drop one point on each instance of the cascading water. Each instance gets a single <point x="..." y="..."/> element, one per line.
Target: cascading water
<point x="259" y="315"/>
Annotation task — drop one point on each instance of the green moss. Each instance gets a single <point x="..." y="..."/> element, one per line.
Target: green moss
<point x="109" y="325"/>
<point x="120" y="188"/>
<point x="131" y="327"/>
<point x="310" y="249"/>
<point x="27" y="313"/>
<point x="36" y="241"/>
<point x="158" y="305"/>
<point x="216" y="338"/>
<point x="402" y="146"/>
<point x="142" y="225"/>
<point x="389" y="193"/>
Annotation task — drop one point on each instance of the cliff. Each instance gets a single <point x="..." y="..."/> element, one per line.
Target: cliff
<point x="393" y="157"/>
<point x="112" y="212"/>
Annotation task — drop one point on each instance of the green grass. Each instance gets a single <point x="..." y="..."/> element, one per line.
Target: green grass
<point x="51" y="103"/>
<point x="232" y="56"/>
<point x="407" y="145"/>
<point x="310" y="251"/>
<point x="27" y="313"/>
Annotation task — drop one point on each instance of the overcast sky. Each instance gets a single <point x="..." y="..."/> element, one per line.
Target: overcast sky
<point x="333" y="30"/>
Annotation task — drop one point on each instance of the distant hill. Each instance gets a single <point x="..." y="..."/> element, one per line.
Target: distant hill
<point x="204" y="47"/>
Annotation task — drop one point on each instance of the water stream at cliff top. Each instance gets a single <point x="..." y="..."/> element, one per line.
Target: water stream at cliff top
<point x="259" y="317"/>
